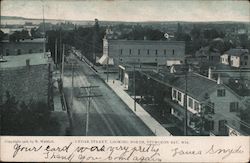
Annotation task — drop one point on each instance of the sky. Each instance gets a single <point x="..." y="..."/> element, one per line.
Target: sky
<point x="130" y="10"/>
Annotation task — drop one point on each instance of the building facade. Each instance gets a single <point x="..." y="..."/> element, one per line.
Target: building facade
<point x="239" y="58"/>
<point x="143" y="52"/>
<point x="222" y="103"/>
<point x="27" y="46"/>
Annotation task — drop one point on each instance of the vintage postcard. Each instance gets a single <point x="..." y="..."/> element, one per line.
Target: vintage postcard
<point x="125" y="80"/>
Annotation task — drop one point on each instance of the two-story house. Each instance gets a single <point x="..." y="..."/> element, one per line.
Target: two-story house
<point x="223" y="103"/>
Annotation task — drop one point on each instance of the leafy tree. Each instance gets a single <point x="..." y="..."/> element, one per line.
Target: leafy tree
<point x="19" y="35"/>
<point x="1" y="35"/>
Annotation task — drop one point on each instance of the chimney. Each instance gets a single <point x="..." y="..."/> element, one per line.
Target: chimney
<point x="209" y="73"/>
<point x="219" y="81"/>
<point x="27" y="62"/>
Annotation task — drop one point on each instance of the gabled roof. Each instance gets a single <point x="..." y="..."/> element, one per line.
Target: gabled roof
<point x="236" y="51"/>
<point x="197" y="85"/>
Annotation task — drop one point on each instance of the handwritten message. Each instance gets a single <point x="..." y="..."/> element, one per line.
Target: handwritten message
<point x="124" y="150"/>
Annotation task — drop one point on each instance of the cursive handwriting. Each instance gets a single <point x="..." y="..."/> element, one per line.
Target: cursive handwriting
<point x="125" y="153"/>
<point x="225" y="152"/>
<point x="177" y="151"/>
<point x="20" y="148"/>
<point x="116" y="153"/>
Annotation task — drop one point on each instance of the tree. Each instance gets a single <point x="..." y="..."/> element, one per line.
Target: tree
<point x="19" y="35"/>
<point x="19" y="118"/>
<point x="2" y="35"/>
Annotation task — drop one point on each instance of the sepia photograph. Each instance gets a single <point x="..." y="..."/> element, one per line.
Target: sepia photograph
<point x="157" y="68"/>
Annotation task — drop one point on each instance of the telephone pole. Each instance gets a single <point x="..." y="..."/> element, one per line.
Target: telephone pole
<point x="89" y="96"/>
<point x="62" y="68"/>
<point x="134" y="89"/>
<point x="185" y="106"/>
<point x="56" y="52"/>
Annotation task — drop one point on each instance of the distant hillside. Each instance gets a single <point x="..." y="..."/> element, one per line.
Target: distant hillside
<point x="21" y="20"/>
<point x="12" y="17"/>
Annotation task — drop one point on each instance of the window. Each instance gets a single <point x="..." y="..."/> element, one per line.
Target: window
<point x="148" y="51"/>
<point x="30" y="51"/>
<point x="130" y="51"/>
<point x="241" y="63"/>
<point x="156" y="52"/>
<point x="155" y="59"/>
<point x="18" y="51"/>
<point x="222" y="126"/>
<point x="121" y="51"/>
<point x="221" y="92"/>
<point x="179" y="96"/>
<point x="196" y="106"/>
<point x="165" y="51"/>
<point x="190" y="102"/>
<point x="121" y="59"/>
<point x="174" y="93"/>
<point x="7" y="52"/>
<point x="209" y="125"/>
<point x="138" y="60"/>
<point x="211" y="107"/>
<point x="139" y="51"/>
<point x="173" y="51"/>
<point x="41" y="50"/>
<point x="234" y="107"/>
<point x="245" y="63"/>
<point x="246" y="57"/>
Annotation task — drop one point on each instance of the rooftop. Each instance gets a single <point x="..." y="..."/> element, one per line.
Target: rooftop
<point x="145" y="41"/>
<point x="197" y="85"/>
<point x="35" y="40"/>
<point x="20" y="60"/>
<point x="236" y="51"/>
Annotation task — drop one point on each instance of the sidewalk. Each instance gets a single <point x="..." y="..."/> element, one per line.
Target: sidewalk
<point x="152" y="124"/>
<point x="149" y="121"/>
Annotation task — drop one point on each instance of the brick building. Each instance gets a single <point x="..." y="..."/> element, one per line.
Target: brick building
<point x="27" y="77"/>
<point x="142" y="52"/>
<point x="26" y="46"/>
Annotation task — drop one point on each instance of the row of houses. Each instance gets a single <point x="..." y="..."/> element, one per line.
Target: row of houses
<point x="207" y="101"/>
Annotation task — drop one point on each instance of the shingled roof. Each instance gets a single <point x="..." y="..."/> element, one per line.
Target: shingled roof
<point x="197" y="85"/>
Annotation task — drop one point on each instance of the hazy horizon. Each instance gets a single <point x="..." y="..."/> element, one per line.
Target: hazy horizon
<point x="129" y="11"/>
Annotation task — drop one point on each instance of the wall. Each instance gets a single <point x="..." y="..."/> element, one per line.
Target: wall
<point x="26" y="82"/>
<point x="25" y="47"/>
<point x="224" y="59"/>
<point x="235" y="61"/>
<point x="166" y="50"/>
<point x="222" y="106"/>
<point x="245" y="60"/>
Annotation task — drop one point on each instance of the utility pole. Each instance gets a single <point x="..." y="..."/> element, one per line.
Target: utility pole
<point x="56" y="52"/>
<point x="107" y="68"/>
<point x="89" y="97"/>
<point x="72" y="84"/>
<point x="185" y="105"/>
<point x="134" y="89"/>
<point x="62" y="75"/>
<point x="44" y="46"/>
